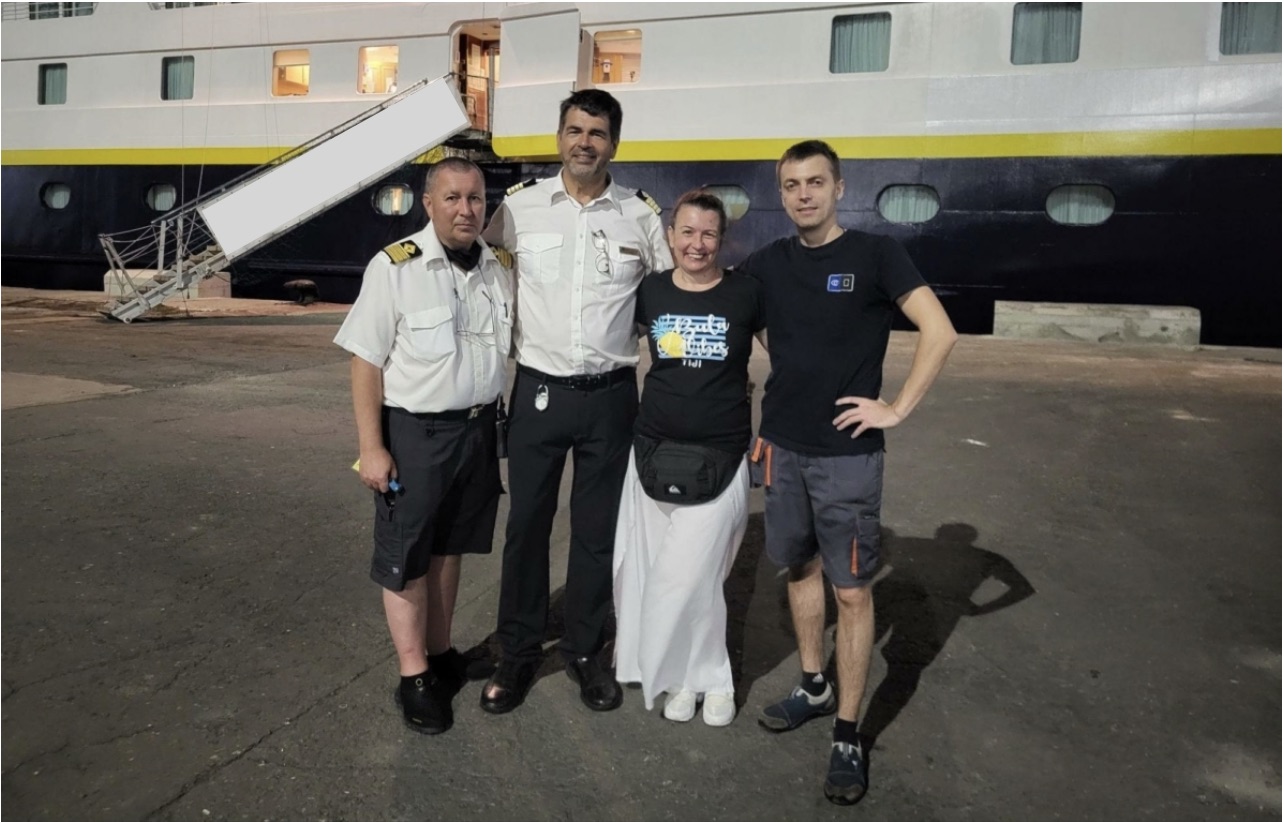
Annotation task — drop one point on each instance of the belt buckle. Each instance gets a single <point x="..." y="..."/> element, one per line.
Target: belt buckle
<point x="474" y="412"/>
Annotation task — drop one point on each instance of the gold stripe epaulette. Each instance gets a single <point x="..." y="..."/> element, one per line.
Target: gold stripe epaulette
<point x="514" y="189"/>
<point x="402" y="251"/>
<point x="649" y="200"/>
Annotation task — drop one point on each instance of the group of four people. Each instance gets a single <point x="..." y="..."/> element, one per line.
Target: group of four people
<point x="659" y="500"/>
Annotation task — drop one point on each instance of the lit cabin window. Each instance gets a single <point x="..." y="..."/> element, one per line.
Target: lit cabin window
<point x="1250" y="28"/>
<point x="291" y="71"/>
<point x="617" y="56"/>
<point x="735" y="200"/>
<point x="180" y="5"/>
<point x="48" y="11"/>
<point x="1080" y="204"/>
<point x="908" y="204"/>
<point x="161" y="197"/>
<point x="55" y="195"/>
<point x="53" y="84"/>
<point x="393" y="201"/>
<point x="860" y="43"/>
<point x="178" y="77"/>
<point x="377" y="70"/>
<point x="1045" y="32"/>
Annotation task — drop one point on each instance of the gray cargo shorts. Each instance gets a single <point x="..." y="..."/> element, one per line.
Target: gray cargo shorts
<point x="825" y="505"/>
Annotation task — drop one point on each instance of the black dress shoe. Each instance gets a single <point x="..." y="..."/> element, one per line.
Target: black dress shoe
<point x="512" y="681"/>
<point x="598" y="688"/>
<point x="455" y="669"/>
<point x="424" y="704"/>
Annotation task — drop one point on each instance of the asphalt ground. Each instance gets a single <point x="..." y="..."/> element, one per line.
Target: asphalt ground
<point x="1079" y="616"/>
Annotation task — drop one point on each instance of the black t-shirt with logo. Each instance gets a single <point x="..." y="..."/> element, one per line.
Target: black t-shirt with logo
<point x="829" y="316"/>
<point x="696" y="390"/>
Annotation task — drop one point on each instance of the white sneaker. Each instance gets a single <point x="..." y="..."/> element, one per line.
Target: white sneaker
<point x="719" y="709"/>
<point x="680" y="707"/>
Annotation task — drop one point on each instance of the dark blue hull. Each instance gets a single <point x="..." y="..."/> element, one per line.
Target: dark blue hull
<point x="1192" y="231"/>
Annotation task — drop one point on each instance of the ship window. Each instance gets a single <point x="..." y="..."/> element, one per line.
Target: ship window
<point x="179" y="5"/>
<point x="377" y="70"/>
<point x="617" y="56"/>
<point x="178" y="77"/>
<point x="1080" y="204"/>
<point x="48" y="11"/>
<point x="394" y="200"/>
<point x="161" y="197"/>
<point x="1250" y="28"/>
<point x="735" y="200"/>
<point x="1045" y="32"/>
<point x="291" y="71"/>
<point x="908" y="204"/>
<point x="55" y="195"/>
<point x="860" y="43"/>
<point x="53" y="84"/>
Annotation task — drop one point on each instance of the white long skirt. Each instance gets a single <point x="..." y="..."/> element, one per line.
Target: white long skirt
<point x="670" y="562"/>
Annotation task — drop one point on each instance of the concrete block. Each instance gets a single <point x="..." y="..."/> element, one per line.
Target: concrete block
<point x="1096" y="322"/>
<point x="218" y="284"/>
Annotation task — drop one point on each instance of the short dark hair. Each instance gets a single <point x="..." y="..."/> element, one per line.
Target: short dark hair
<point x="701" y="199"/>
<point x="460" y="164"/>
<point x="595" y="103"/>
<point x="808" y="149"/>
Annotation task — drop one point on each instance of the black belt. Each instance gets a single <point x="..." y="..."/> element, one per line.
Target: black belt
<point x="451" y="416"/>
<point x="583" y="382"/>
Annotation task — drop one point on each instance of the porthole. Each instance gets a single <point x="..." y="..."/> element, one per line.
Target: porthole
<point x="1080" y="204"/>
<point x="908" y="203"/>
<point x="394" y="201"/>
<point x="161" y="197"/>
<point x="735" y="200"/>
<point x="55" y="195"/>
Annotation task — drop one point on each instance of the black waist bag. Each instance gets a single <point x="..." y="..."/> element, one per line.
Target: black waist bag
<point x="683" y="473"/>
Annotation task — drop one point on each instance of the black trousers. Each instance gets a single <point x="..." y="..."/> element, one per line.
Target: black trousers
<point x="596" y="426"/>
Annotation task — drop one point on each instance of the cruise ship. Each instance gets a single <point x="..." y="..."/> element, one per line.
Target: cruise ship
<point x="1068" y="152"/>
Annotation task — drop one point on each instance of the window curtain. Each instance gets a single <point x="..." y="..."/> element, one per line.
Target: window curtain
<point x="57" y="195"/>
<point x="1045" y="32"/>
<point x="53" y="85"/>
<point x="161" y="197"/>
<point x="860" y="43"/>
<point x="1250" y="28"/>
<point x="393" y="200"/>
<point x="1081" y="205"/>
<point x="180" y="78"/>
<point x="908" y="204"/>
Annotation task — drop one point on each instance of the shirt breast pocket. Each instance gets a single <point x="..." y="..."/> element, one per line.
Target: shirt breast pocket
<point x="432" y="333"/>
<point x="539" y="257"/>
<point x="626" y="266"/>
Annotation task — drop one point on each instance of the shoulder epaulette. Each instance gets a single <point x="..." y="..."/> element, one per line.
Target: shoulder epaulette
<point x="646" y="198"/>
<point x="514" y="189"/>
<point x="504" y="256"/>
<point x="402" y="251"/>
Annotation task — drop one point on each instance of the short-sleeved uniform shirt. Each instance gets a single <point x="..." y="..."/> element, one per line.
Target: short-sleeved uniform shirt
<point x="829" y="317"/>
<point x="696" y="390"/>
<point x="578" y="269"/>
<point x="440" y="334"/>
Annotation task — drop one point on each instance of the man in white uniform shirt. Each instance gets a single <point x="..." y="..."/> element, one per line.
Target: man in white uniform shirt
<point x="582" y="244"/>
<point x="430" y="335"/>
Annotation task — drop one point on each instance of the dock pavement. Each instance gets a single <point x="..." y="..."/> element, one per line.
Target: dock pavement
<point x="1078" y="617"/>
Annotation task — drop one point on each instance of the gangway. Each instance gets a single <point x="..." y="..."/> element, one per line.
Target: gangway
<point x="196" y="240"/>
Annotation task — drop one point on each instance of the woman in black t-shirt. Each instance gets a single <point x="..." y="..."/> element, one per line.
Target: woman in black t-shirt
<point x="671" y="559"/>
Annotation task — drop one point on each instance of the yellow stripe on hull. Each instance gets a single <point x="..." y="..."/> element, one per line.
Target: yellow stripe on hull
<point x="1071" y="144"/>
<point x="1193" y="142"/>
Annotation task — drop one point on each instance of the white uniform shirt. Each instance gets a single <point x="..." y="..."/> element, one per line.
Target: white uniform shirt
<point x="440" y="334"/>
<point x="578" y="269"/>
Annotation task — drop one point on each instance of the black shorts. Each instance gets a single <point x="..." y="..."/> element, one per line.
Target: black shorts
<point x="449" y="473"/>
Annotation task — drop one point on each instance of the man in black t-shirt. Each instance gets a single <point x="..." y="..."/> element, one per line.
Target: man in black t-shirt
<point x="831" y="294"/>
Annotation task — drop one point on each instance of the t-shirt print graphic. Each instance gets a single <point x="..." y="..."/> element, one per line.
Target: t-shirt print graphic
<point x="690" y="337"/>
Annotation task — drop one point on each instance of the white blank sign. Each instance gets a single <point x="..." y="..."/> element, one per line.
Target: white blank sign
<point x="289" y="194"/>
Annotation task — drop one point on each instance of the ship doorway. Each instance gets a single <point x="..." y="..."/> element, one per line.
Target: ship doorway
<point x="477" y="71"/>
